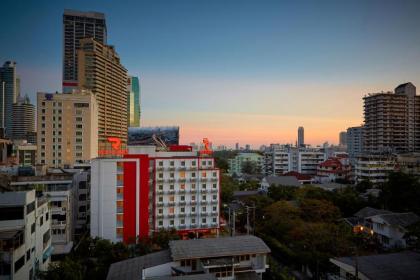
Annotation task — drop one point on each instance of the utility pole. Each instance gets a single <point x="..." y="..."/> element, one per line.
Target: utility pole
<point x="234" y="226"/>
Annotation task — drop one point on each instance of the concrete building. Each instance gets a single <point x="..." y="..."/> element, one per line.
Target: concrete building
<point x="301" y="137"/>
<point x="280" y="159"/>
<point x="236" y="163"/>
<point x="392" y="121"/>
<point x="9" y="90"/>
<point x="78" y="25"/>
<point x="409" y="163"/>
<point x="81" y="201"/>
<point x="23" y="120"/>
<point x="374" y="168"/>
<point x="58" y="188"/>
<point x="100" y="70"/>
<point x="233" y="258"/>
<point x="148" y="190"/>
<point x="25" y="235"/>
<point x="25" y="153"/>
<point x="342" y="138"/>
<point x="133" y="99"/>
<point x="67" y="128"/>
<point x="354" y="143"/>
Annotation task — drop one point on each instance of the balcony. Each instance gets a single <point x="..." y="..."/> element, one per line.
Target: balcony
<point x="170" y="192"/>
<point x="193" y="202"/>
<point x="182" y="168"/>
<point x="203" y="179"/>
<point x="159" y="168"/>
<point x="120" y="196"/>
<point x="160" y="203"/>
<point x="170" y="216"/>
<point x="182" y="215"/>
<point x="182" y="180"/>
<point x="58" y="224"/>
<point x="203" y="190"/>
<point x="182" y="203"/>
<point x="120" y="210"/>
<point x="159" y="191"/>
<point x="120" y="183"/>
<point x="182" y="191"/>
<point x="171" y="203"/>
<point x="119" y="224"/>
<point x="182" y="227"/>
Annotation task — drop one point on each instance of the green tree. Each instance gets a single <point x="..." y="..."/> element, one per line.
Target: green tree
<point x="67" y="269"/>
<point x="249" y="167"/>
<point x="316" y="210"/>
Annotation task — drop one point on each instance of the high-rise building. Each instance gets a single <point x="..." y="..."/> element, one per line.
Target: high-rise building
<point x="301" y="137"/>
<point x="343" y="139"/>
<point x="100" y="70"/>
<point x="149" y="190"/>
<point x="354" y="143"/>
<point x="23" y="120"/>
<point x="78" y="25"/>
<point x="67" y="128"/>
<point x="236" y="163"/>
<point x="392" y="121"/>
<point x="9" y="92"/>
<point x="133" y="99"/>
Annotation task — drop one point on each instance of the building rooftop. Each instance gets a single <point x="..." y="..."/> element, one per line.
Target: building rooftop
<point x="217" y="247"/>
<point x="403" y="265"/>
<point x="400" y="219"/>
<point x="369" y="211"/>
<point x="132" y="268"/>
<point x="299" y="176"/>
<point x="185" y="277"/>
<point x="283" y="181"/>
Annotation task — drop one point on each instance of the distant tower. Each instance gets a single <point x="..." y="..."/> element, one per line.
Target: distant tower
<point x="9" y="92"/>
<point x="343" y="138"/>
<point x="133" y="99"/>
<point x="23" y="120"/>
<point x="237" y="146"/>
<point x="301" y="137"/>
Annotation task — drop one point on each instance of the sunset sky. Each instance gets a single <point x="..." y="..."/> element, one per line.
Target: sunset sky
<point x="235" y="71"/>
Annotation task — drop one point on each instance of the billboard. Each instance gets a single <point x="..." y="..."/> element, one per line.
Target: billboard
<point x="144" y="135"/>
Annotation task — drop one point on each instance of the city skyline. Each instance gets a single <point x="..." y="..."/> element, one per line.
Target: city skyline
<point x="237" y="72"/>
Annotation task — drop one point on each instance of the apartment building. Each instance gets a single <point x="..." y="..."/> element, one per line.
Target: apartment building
<point x="25" y="234"/>
<point x="334" y="169"/>
<point x="100" y="70"/>
<point x="392" y="121"/>
<point x="374" y="168"/>
<point x="58" y="188"/>
<point x="10" y="89"/>
<point x="233" y="258"/>
<point x="76" y="26"/>
<point x="25" y="153"/>
<point x="280" y="159"/>
<point x="81" y="201"/>
<point x="149" y="189"/>
<point x="236" y="163"/>
<point x="67" y="128"/>
<point x="23" y="119"/>
<point x="354" y="143"/>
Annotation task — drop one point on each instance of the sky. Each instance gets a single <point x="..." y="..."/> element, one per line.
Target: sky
<point x="234" y="71"/>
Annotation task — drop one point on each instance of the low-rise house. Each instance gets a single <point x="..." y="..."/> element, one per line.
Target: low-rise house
<point x="333" y="169"/>
<point x="268" y="181"/>
<point x="402" y="265"/>
<point x="389" y="227"/>
<point x="239" y="257"/>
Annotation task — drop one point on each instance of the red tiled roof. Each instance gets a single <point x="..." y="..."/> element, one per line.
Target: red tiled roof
<point x="298" y="175"/>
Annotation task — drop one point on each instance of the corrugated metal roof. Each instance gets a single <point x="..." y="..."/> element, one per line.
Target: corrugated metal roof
<point x="217" y="247"/>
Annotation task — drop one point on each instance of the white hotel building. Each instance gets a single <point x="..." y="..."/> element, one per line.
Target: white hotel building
<point x="149" y="190"/>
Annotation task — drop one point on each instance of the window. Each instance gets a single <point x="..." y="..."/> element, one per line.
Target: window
<point x="172" y="175"/>
<point x="160" y="198"/>
<point x="204" y="186"/>
<point x="193" y="163"/>
<point x="171" y="198"/>
<point x="19" y="263"/>
<point x="182" y="198"/>
<point x="28" y="255"/>
<point x="160" y="223"/>
<point x="182" y="221"/>
<point x="11" y="213"/>
<point x="204" y="220"/>
<point x="182" y="209"/>
<point x="47" y="216"/>
<point x="214" y="197"/>
<point x="160" y="187"/>
<point x="204" y="163"/>
<point x="160" y="175"/>
<point x="204" y="209"/>
<point x="160" y="211"/>
<point x="193" y="198"/>
<point x="209" y="163"/>
<point x="172" y="163"/>
<point x="171" y="210"/>
<point x="41" y="221"/>
<point x="182" y="186"/>
<point x="214" y="186"/>
<point x="193" y="209"/>
<point x="204" y="197"/>
<point x="204" y="174"/>
<point x="214" y="220"/>
<point x="214" y="174"/>
<point x="79" y="119"/>
<point x="193" y="221"/>
<point x="214" y="208"/>
<point x="171" y="187"/>
<point x="171" y="222"/>
<point x="193" y="175"/>
<point x="193" y="186"/>
<point x="160" y="163"/>
<point x="182" y="163"/>
<point x="33" y="228"/>
<point x="30" y="207"/>
<point x="182" y="174"/>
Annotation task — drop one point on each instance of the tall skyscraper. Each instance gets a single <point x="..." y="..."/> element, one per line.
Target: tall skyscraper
<point x="100" y="70"/>
<point x="78" y="25"/>
<point x="9" y="92"/>
<point x="67" y="128"/>
<point x="133" y="99"/>
<point x="342" y="138"/>
<point x="301" y="137"/>
<point x="23" y="120"/>
<point x="392" y="121"/>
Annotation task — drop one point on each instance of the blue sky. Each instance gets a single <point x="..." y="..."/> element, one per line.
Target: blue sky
<point x="235" y="71"/>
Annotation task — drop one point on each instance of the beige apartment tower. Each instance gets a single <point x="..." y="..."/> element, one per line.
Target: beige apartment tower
<point x="67" y="128"/>
<point x="392" y="121"/>
<point x="100" y="70"/>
